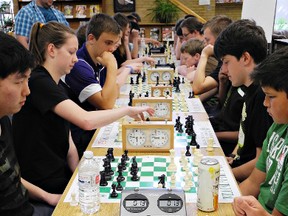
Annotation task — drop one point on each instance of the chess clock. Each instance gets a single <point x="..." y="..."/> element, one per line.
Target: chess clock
<point x="164" y="75"/>
<point x="150" y="201"/>
<point x="148" y="136"/>
<point x="160" y="58"/>
<point x="161" y="91"/>
<point x="162" y="107"/>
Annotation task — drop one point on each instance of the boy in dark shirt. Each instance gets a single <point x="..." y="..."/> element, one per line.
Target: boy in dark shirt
<point x="15" y="65"/>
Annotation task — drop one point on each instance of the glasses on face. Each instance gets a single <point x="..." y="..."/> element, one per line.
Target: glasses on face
<point x="186" y="35"/>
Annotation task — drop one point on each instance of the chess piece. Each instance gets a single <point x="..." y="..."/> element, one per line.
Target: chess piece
<point x="126" y="155"/>
<point x="188" y="153"/>
<point x="157" y="80"/>
<point x="113" y="194"/>
<point x="172" y="166"/>
<point x="197" y="157"/>
<point x="131" y="81"/>
<point x="186" y="185"/>
<point x="191" y="94"/>
<point x="162" y="180"/>
<point x="73" y="201"/>
<point x="119" y="187"/>
<point x="103" y="181"/>
<point x="210" y="144"/>
<point x="173" y="181"/>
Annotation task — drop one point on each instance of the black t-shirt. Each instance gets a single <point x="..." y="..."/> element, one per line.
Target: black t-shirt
<point x="119" y="57"/>
<point x="42" y="137"/>
<point x="255" y="124"/>
<point x="13" y="195"/>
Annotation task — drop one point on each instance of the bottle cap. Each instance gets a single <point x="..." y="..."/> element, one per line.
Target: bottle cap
<point x="88" y="154"/>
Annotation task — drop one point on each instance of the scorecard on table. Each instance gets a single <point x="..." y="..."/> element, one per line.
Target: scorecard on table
<point x="162" y="107"/>
<point x="148" y="136"/>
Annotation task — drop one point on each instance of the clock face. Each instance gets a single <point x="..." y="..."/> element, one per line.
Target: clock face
<point x="136" y="137"/>
<point x="166" y="91"/>
<point x="154" y="76"/>
<point x="166" y="76"/>
<point x="159" y="138"/>
<point x="161" y="109"/>
<point x="157" y="92"/>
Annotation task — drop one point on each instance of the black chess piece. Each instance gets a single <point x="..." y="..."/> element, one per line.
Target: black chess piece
<point x="191" y="94"/>
<point x="183" y="80"/>
<point x="144" y="77"/>
<point x="146" y="94"/>
<point x="137" y="78"/>
<point x="157" y="80"/>
<point x="162" y="180"/>
<point x="187" y="153"/>
<point x="120" y="177"/>
<point x="131" y="81"/>
<point x="135" y="177"/>
<point x="126" y="155"/>
<point x="103" y="181"/>
<point x="113" y="194"/>
<point x="119" y="187"/>
<point x="110" y="152"/>
<point x="193" y="140"/>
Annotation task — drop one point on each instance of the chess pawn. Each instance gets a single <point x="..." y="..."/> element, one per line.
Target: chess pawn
<point x="182" y="156"/>
<point x="73" y="201"/>
<point x="186" y="185"/>
<point x="190" y="182"/>
<point x="173" y="181"/>
<point x="172" y="166"/>
<point x="210" y="145"/>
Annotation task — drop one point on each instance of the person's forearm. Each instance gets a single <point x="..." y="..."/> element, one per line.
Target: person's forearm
<point x="35" y="192"/>
<point x="199" y="76"/>
<point x="128" y="52"/>
<point x="72" y="157"/>
<point x="242" y="172"/>
<point x="135" y="50"/>
<point x="227" y="136"/>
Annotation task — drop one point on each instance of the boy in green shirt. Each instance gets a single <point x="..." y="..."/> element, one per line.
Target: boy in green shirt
<point x="268" y="181"/>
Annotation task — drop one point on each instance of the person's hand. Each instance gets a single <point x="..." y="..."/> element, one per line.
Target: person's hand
<point x="208" y="51"/>
<point x="230" y="160"/>
<point x="150" y="61"/>
<point x="107" y="58"/>
<point x="248" y="206"/>
<point x="137" y="112"/>
<point x="52" y="199"/>
<point x="136" y="67"/>
<point x="134" y="33"/>
<point x="223" y="77"/>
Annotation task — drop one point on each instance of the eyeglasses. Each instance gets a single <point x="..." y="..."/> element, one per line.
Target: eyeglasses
<point x="186" y="35"/>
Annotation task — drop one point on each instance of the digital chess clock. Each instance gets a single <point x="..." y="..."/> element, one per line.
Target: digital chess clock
<point x="160" y="75"/>
<point x="162" y="106"/>
<point x="149" y="201"/>
<point x="161" y="91"/>
<point x="148" y="136"/>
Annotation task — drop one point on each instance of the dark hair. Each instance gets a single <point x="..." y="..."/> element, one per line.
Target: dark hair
<point x="192" y="24"/>
<point x="193" y="46"/>
<point x="100" y="23"/>
<point x="122" y="20"/>
<point x="43" y="34"/>
<point x="239" y="37"/>
<point x="14" y="57"/>
<point x="217" y="24"/>
<point x="81" y="34"/>
<point x="273" y="71"/>
<point x="177" y="28"/>
<point x="136" y="16"/>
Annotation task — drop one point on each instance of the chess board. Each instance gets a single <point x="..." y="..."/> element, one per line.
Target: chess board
<point x="151" y="167"/>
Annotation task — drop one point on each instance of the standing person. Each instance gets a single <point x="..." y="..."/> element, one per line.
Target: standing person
<point x="268" y="180"/>
<point x="241" y="46"/>
<point x="36" y="11"/>
<point x="15" y="70"/>
<point x="43" y="143"/>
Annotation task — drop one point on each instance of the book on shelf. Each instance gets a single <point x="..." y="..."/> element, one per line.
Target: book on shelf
<point x="167" y="34"/>
<point x="81" y="11"/>
<point x="95" y="9"/>
<point x="68" y="11"/>
<point x="154" y="33"/>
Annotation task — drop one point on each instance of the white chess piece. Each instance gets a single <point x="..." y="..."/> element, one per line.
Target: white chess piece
<point x="186" y="185"/>
<point x="73" y="201"/>
<point x="210" y="144"/>
<point x="172" y="166"/>
<point x="173" y="181"/>
<point x="197" y="157"/>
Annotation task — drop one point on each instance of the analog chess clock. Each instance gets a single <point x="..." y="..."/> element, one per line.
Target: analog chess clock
<point x="162" y="107"/>
<point x="161" y="91"/>
<point x="160" y="58"/>
<point x="160" y="75"/>
<point x="148" y="136"/>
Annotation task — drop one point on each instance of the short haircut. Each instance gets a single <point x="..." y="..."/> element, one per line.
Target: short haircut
<point x="100" y="23"/>
<point x="192" y="24"/>
<point x="121" y="19"/>
<point x="43" y="34"/>
<point x="178" y="29"/>
<point x="136" y="16"/>
<point x="217" y="24"/>
<point x="14" y="57"/>
<point x="81" y="34"/>
<point x="273" y="71"/>
<point x="239" y="37"/>
<point x="193" y="46"/>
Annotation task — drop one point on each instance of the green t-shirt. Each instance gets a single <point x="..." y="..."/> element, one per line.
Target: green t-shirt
<point x="273" y="161"/>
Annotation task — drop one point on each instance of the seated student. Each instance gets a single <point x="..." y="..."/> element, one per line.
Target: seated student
<point x="191" y="51"/>
<point x="178" y="39"/>
<point x="122" y="53"/>
<point x="15" y="70"/>
<point x="241" y="46"/>
<point x="43" y="143"/>
<point x="268" y="180"/>
<point x="81" y="34"/>
<point x="191" y="28"/>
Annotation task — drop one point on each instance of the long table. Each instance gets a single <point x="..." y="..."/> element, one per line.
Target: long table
<point x="111" y="209"/>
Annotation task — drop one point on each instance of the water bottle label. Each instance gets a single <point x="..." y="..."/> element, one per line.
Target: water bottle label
<point x="86" y="180"/>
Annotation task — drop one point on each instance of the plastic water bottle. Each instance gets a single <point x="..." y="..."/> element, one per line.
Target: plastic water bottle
<point x="88" y="180"/>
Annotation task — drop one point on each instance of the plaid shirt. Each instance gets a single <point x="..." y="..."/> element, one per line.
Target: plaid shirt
<point x="30" y="14"/>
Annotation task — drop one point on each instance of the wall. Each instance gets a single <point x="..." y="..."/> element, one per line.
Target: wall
<point x="207" y="12"/>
